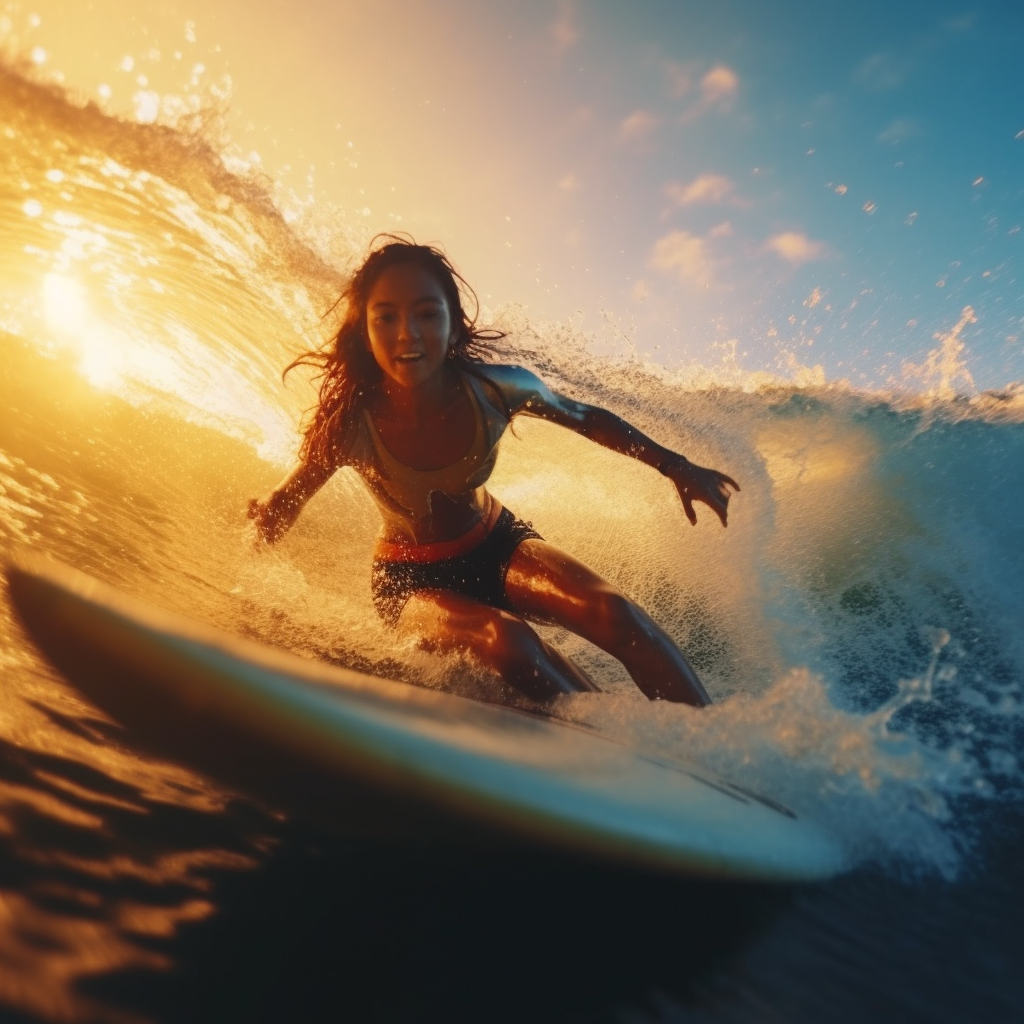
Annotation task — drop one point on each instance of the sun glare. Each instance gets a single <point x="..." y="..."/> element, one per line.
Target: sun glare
<point x="65" y="302"/>
<point x="69" y="316"/>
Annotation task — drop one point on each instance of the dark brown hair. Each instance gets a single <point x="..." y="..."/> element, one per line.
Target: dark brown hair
<point x="348" y="371"/>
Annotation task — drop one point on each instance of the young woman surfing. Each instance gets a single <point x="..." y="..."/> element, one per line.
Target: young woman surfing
<point x="407" y="402"/>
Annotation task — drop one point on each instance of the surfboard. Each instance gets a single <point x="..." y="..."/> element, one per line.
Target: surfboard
<point x="394" y="760"/>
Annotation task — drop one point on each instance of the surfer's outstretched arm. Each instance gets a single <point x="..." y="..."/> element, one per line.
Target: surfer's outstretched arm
<point x="273" y="515"/>
<point x="693" y="482"/>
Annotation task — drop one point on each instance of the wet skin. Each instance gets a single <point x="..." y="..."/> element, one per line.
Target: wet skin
<point x="423" y="415"/>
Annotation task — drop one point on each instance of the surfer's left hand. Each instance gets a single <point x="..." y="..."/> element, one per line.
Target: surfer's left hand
<point x="697" y="483"/>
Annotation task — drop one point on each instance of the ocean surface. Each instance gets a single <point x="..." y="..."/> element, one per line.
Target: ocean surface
<point x="858" y="626"/>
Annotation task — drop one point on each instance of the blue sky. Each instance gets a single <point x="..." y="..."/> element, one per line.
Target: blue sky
<point x="801" y="184"/>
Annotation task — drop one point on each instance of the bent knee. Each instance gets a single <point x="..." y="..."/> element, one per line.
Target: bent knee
<point x="497" y="638"/>
<point x="509" y="644"/>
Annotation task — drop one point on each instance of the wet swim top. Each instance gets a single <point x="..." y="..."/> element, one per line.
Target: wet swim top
<point x="407" y="497"/>
<point x="413" y="489"/>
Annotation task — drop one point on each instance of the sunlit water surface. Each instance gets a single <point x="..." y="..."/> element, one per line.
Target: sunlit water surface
<point x="858" y="626"/>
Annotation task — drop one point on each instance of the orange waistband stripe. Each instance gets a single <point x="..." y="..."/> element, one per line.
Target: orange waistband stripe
<point x="388" y="551"/>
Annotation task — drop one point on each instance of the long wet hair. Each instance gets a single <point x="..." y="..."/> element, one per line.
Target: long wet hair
<point x="348" y="373"/>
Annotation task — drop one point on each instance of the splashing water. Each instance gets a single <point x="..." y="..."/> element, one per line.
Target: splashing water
<point x="858" y="624"/>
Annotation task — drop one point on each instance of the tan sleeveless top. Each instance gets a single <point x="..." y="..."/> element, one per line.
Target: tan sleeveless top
<point x="413" y="488"/>
<point x="413" y="501"/>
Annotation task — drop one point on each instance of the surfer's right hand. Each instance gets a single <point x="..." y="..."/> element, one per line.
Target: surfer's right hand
<point x="263" y="532"/>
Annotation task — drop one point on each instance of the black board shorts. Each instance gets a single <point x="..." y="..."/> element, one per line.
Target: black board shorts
<point x="478" y="574"/>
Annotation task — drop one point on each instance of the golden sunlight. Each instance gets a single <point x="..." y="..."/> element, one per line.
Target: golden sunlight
<point x="64" y="301"/>
<point x="101" y="359"/>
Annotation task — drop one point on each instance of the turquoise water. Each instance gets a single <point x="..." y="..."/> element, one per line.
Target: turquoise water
<point x="858" y="626"/>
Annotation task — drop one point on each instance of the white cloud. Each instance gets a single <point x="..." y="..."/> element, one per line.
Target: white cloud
<point x="795" y="247"/>
<point x="638" y="125"/>
<point x="685" y="255"/>
<point x="899" y="130"/>
<point x="723" y="230"/>
<point x="718" y="90"/>
<point x="640" y="292"/>
<point x="882" y="71"/>
<point x="705" y="188"/>
<point x="719" y="86"/>
<point x="569" y="182"/>
<point x="565" y="28"/>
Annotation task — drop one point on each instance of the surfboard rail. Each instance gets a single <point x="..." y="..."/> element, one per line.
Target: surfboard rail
<point x="393" y="758"/>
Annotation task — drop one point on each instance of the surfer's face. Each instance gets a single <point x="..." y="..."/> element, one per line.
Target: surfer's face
<point x="408" y="324"/>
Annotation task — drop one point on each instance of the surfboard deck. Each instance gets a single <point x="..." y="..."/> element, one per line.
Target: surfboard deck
<point x="395" y="760"/>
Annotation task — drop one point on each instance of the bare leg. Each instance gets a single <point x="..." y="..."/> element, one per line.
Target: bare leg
<point x="546" y="584"/>
<point x="448" y="622"/>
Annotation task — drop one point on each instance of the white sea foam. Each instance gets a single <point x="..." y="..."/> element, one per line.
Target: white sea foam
<point x="868" y="521"/>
